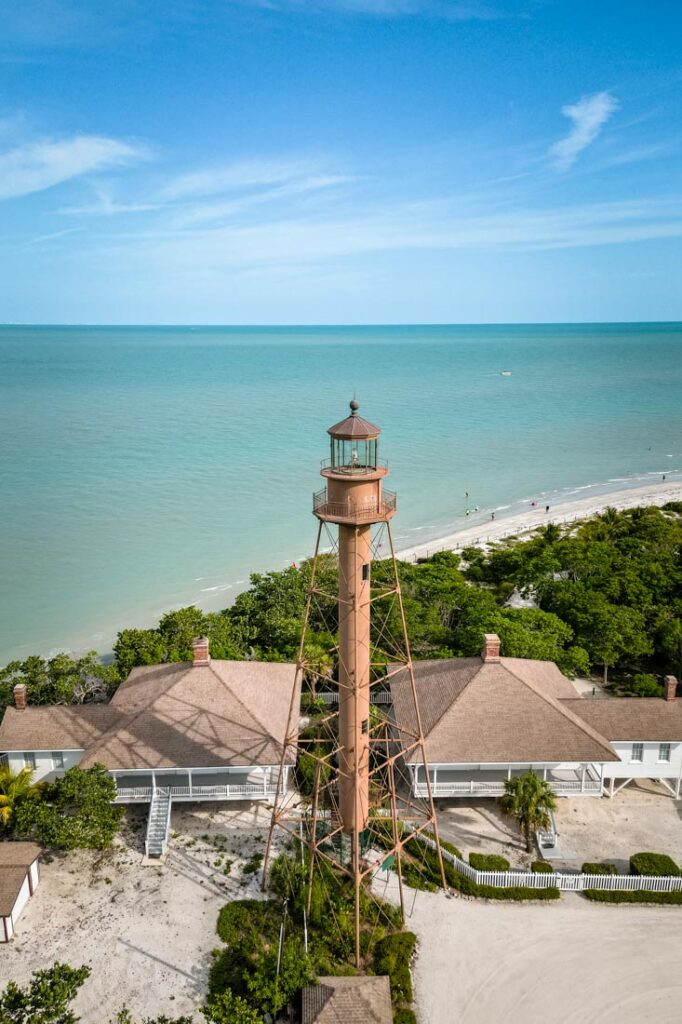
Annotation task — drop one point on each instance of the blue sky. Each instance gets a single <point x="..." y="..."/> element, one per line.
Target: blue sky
<point x="340" y="161"/>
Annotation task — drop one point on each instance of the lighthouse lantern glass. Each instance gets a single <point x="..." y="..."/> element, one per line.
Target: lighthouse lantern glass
<point x="350" y="455"/>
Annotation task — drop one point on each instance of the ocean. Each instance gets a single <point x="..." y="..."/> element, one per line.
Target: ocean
<point x="143" y="469"/>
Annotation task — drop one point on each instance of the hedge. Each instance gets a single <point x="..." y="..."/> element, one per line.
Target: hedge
<point x="392" y="957"/>
<point x="639" y="896"/>
<point x="653" y="864"/>
<point x="488" y="862"/>
<point x="593" y="868"/>
<point x="541" y="867"/>
<point x="511" y="892"/>
<point x="429" y="860"/>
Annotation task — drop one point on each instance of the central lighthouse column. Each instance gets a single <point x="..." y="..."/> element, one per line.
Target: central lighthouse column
<point x="355" y="500"/>
<point x="354" y="657"/>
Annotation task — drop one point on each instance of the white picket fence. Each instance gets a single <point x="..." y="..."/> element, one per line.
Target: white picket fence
<point x="559" y="880"/>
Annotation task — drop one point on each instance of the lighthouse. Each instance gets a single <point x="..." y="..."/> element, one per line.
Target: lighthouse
<point x="354" y="498"/>
<point x="359" y="806"/>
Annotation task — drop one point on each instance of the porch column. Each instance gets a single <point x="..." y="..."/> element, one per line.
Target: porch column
<point x="508" y="773"/>
<point x="189" y="774"/>
<point x="435" y="779"/>
<point x="612" y="784"/>
<point x="153" y="782"/>
<point x="582" y="779"/>
<point x="544" y="773"/>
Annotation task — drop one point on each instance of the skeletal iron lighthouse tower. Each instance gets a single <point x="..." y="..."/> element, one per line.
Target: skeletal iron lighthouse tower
<point x="361" y="799"/>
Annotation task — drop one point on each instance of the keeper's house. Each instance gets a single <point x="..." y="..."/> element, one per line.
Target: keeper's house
<point x="19" y="877"/>
<point x="490" y="718"/>
<point x="205" y="730"/>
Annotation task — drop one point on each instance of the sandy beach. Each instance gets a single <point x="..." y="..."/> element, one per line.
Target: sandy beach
<point x="565" y="512"/>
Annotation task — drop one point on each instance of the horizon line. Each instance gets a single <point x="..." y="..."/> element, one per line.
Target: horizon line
<point x="349" y="324"/>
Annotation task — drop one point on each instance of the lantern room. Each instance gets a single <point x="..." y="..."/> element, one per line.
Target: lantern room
<point x="354" y="445"/>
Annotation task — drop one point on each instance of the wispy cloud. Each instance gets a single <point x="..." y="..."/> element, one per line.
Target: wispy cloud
<point x="41" y="165"/>
<point x="588" y="115"/>
<point x="244" y="174"/>
<point x="198" y="213"/>
<point x="53" y="235"/>
<point x="282" y="244"/>
<point x="105" y="205"/>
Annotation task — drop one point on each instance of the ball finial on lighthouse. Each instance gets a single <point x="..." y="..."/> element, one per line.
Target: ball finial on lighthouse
<point x="354" y="406"/>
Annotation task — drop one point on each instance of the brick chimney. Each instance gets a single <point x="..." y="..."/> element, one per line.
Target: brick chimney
<point x="491" y="647"/>
<point x="20" y="699"/>
<point x="670" y="687"/>
<point x="200" y="651"/>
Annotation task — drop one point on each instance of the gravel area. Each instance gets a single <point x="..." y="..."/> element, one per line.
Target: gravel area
<point x="146" y="931"/>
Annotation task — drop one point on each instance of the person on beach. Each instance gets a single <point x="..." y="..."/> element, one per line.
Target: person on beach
<point x="492" y="515"/>
<point x="664" y="478"/>
<point x="546" y="508"/>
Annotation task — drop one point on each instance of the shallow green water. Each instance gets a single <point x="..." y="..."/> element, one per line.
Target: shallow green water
<point x="145" y="468"/>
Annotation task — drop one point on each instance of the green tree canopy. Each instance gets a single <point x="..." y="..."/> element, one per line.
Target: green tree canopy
<point x="74" y="812"/>
<point x="46" y="999"/>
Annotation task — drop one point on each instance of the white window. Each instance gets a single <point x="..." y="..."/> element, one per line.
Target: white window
<point x="29" y="760"/>
<point x="663" y="751"/>
<point x="57" y="759"/>
<point x="637" y="752"/>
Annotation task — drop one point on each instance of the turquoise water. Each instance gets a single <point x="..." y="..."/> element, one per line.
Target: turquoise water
<point x="146" y="468"/>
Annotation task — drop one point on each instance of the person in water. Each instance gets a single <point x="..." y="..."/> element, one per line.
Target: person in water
<point x="492" y="515"/>
<point x="546" y="508"/>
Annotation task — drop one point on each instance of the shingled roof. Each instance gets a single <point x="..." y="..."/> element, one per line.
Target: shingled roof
<point x="638" y="719"/>
<point x="56" y="727"/>
<point x="183" y="715"/>
<point x="354" y="1000"/>
<point x="15" y="860"/>
<point x="507" y="710"/>
<point x="177" y="715"/>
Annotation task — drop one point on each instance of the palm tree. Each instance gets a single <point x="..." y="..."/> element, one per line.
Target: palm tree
<point x="529" y="799"/>
<point x="15" y="787"/>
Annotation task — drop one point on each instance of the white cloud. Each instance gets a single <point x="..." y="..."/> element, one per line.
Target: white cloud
<point x="588" y="115"/>
<point x="41" y="165"/>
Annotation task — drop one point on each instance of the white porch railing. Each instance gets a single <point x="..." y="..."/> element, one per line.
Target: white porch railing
<point x="375" y="697"/>
<point x="475" y="787"/>
<point x="559" y="879"/>
<point x="125" y="794"/>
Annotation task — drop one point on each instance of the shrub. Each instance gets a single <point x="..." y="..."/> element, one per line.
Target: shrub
<point x="46" y="999"/>
<point x="253" y="864"/>
<point x="245" y="922"/>
<point x="227" y="1008"/>
<point x="392" y="957"/>
<point x="512" y="892"/>
<point x="404" y="1017"/>
<point x="639" y="896"/>
<point x="590" y="868"/>
<point x="653" y="864"/>
<point x="488" y="862"/>
<point x="643" y="685"/>
<point x="541" y="867"/>
<point x="74" y="813"/>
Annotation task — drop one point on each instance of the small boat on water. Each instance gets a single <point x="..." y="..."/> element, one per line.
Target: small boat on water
<point x="505" y="373"/>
